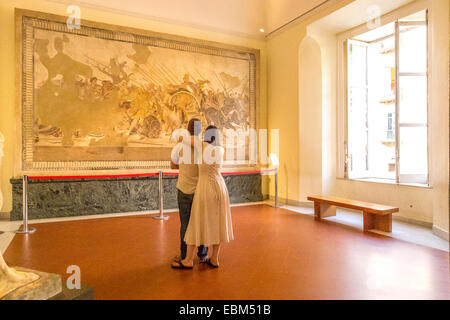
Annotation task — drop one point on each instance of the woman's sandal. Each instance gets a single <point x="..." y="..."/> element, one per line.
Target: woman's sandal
<point x="209" y="263"/>
<point x="202" y="259"/>
<point x="181" y="266"/>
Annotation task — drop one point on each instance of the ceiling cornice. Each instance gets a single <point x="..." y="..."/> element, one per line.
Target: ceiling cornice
<point x="297" y="18"/>
<point x="309" y="16"/>
<point x="83" y="4"/>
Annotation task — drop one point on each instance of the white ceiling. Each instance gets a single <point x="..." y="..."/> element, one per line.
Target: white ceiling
<point x="280" y="12"/>
<point x="356" y="13"/>
<point x="244" y="17"/>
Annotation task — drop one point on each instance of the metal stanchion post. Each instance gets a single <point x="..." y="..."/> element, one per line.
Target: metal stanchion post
<point x="275" y="174"/>
<point x="161" y="215"/>
<point x="276" y="187"/>
<point x="25" y="229"/>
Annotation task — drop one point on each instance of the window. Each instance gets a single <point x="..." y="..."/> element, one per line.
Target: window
<point x="390" y="128"/>
<point x="387" y="102"/>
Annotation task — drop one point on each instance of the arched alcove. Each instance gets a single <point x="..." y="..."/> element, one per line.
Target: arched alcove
<point x="310" y="117"/>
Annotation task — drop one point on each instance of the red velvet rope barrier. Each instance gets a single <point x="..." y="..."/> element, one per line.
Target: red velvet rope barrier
<point x="248" y="172"/>
<point x="137" y="175"/>
<point x="94" y="177"/>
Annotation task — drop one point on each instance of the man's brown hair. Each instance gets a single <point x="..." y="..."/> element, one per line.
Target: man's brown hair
<point x="193" y="123"/>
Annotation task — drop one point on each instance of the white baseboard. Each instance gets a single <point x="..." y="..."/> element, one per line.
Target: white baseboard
<point x="425" y="224"/>
<point x="310" y="204"/>
<point x="290" y="202"/>
<point x="441" y="233"/>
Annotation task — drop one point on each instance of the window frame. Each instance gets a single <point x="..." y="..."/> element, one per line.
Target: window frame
<point x="342" y="159"/>
<point x="409" y="178"/>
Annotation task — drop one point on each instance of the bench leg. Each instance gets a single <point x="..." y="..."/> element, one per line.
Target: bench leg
<point x="323" y="210"/>
<point x="377" y="221"/>
<point x="316" y="210"/>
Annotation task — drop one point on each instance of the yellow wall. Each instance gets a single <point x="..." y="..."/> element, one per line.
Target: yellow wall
<point x="283" y="113"/>
<point x="310" y="117"/>
<point x="439" y="121"/>
<point x="7" y="67"/>
<point x="285" y="109"/>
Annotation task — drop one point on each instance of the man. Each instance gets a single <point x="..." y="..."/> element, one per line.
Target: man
<point x="187" y="182"/>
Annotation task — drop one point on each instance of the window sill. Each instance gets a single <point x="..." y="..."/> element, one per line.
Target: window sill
<point x="387" y="181"/>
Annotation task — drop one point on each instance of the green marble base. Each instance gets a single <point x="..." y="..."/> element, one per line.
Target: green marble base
<point x="47" y="286"/>
<point x="79" y="197"/>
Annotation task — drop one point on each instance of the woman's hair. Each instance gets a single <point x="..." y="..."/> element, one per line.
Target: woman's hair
<point x="194" y="124"/>
<point x="212" y="135"/>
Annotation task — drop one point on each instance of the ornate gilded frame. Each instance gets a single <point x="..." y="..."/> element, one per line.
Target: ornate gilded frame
<point x="27" y="21"/>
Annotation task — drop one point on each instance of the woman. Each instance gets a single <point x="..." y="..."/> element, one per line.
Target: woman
<point x="210" y="221"/>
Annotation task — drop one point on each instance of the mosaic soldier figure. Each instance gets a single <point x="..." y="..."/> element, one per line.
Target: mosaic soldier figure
<point x="11" y="279"/>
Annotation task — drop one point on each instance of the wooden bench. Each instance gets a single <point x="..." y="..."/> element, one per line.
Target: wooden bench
<point x="375" y="216"/>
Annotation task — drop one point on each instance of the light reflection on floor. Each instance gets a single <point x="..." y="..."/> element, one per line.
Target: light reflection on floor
<point x="400" y="230"/>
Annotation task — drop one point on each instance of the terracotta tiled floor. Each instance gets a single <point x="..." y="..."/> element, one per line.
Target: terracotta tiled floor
<point x="276" y="254"/>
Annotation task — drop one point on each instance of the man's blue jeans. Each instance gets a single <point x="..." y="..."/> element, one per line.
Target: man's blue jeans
<point x="184" y="206"/>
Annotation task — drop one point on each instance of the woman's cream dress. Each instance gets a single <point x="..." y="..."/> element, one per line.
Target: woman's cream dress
<point x="210" y="221"/>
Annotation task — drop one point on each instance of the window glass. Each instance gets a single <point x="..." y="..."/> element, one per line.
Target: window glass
<point x="412" y="48"/>
<point x="413" y="150"/>
<point x="413" y="99"/>
<point x="357" y="109"/>
<point x="358" y="66"/>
